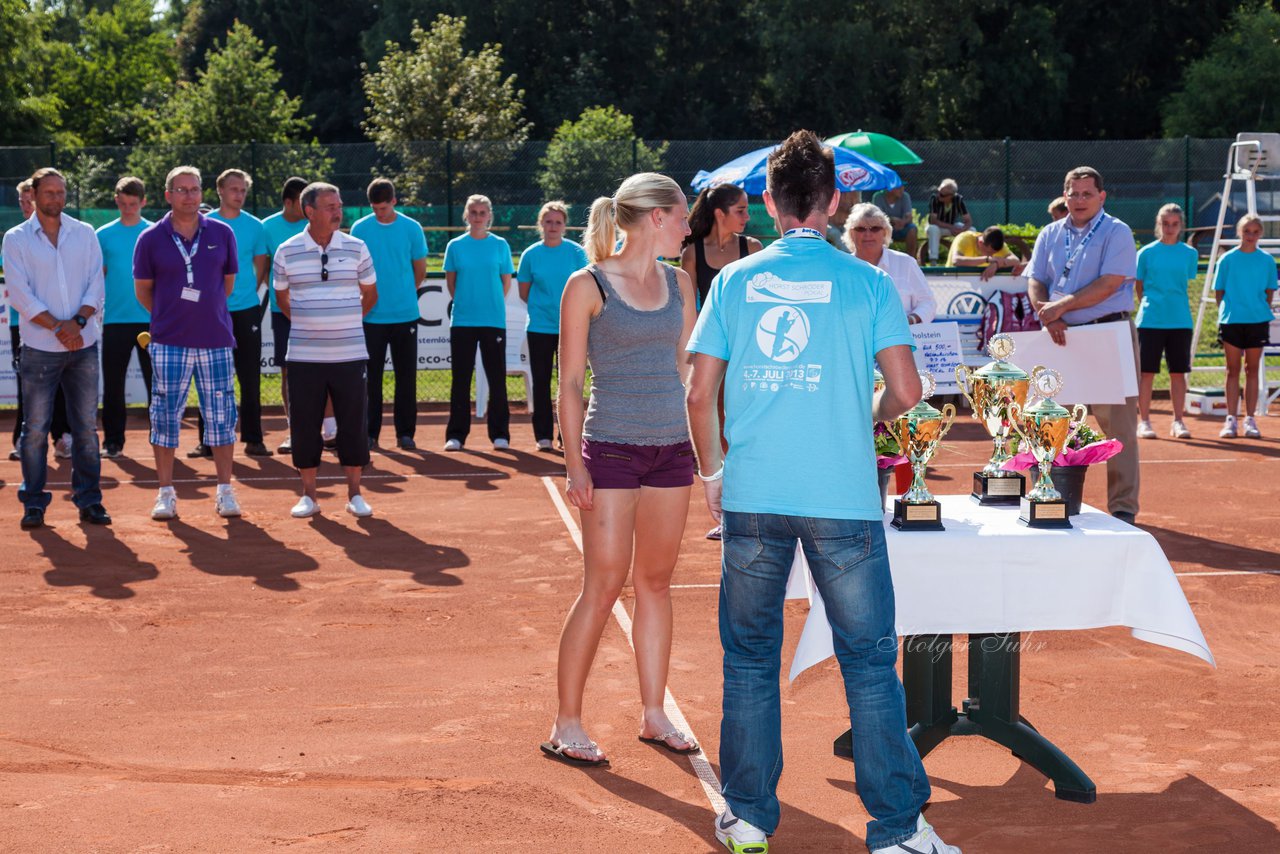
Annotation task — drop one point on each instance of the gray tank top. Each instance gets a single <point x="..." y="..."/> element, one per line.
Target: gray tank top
<point x="636" y="394"/>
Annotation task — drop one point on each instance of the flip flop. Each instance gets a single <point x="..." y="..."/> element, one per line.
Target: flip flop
<point x="661" y="741"/>
<point x="557" y="752"/>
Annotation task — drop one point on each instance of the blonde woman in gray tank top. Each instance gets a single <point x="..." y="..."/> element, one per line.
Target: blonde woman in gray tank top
<point x="629" y="461"/>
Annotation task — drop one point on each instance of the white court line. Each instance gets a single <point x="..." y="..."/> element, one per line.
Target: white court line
<point x="1229" y="572"/>
<point x="706" y="775"/>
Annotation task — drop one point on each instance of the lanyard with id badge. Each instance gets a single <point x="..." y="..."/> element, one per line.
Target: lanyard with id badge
<point x="190" y="292"/>
<point x="1073" y="255"/>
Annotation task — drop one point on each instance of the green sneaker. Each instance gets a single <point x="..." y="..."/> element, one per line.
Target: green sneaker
<point x="739" y="835"/>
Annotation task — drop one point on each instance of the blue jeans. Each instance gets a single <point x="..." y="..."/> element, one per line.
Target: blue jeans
<point x="42" y="372"/>
<point x="850" y="564"/>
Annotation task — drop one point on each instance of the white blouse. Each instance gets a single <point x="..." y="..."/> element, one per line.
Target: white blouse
<point x="917" y="298"/>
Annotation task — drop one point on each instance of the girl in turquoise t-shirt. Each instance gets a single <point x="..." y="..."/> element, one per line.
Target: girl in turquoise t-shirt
<point x="1243" y="287"/>
<point x="477" y="271"/>
<point x="544" y="268"/>
<point x="1164" y="318"/>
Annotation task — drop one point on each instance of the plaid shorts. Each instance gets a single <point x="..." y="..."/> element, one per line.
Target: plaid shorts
<point x="172" y="368"/>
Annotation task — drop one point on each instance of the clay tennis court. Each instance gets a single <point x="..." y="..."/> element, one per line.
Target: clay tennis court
<point x="382" y="685"/>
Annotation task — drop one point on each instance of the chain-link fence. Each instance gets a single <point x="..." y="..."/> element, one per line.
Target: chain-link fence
<point x="1003" y="181"/>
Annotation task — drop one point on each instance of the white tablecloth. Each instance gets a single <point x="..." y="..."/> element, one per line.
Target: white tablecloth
<point x="987" y="573"/>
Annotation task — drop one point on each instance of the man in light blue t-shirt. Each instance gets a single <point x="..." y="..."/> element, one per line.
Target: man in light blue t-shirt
<point x="793" y="333"/>
<point x="246" y="315"/>
<point x="544" y="269"/>
<point x="123" y="317"/>
<point x="399" y="252"/>
<point x="279" y="227"/>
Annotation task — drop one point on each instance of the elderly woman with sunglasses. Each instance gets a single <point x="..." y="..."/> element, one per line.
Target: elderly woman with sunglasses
<point x="867" y="234"/>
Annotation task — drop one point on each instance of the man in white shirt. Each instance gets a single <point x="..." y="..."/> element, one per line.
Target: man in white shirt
<point x="53" y="267"/>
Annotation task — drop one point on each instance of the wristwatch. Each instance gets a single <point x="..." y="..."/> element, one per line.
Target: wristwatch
<point x="80" y="320"/>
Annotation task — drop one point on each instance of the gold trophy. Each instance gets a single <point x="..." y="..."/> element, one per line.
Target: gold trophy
<point x="990" y="391"/>
<point x="919" y="431"/>
<point x="1046" y="428"/>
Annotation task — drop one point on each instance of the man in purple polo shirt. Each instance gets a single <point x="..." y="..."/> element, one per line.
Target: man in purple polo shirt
<point x="184" y="268"/>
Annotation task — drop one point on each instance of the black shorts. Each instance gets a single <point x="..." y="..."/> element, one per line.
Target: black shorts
<point x="1245" y="336"/>
<point x="280" y="335"/>
<point x="1173" y="345"/>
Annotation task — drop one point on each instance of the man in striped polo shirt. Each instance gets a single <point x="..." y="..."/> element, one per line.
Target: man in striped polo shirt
<point x="325" y="284"/>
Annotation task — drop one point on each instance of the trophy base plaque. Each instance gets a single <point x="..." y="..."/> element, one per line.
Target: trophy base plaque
<point x="1043" y="514"/>
<point x="989" y="490"/>
<point x="917" y="517"/>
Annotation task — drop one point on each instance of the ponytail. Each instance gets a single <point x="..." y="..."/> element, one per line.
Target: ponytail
<point x="702" y="216"/>
<point x="601" y="235"/>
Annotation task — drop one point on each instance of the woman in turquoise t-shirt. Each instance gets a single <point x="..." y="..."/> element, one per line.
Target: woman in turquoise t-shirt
<point x="1164" y="318"/>
<point x="1244" y="285"/>
<point x="477" y="271"/>
<point x="544" y="268"/>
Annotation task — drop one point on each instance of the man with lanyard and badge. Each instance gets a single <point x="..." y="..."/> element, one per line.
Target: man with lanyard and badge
<point x="794" y="332"/>
<point x="184" y="269"/>
<point x="1081" y="272"/>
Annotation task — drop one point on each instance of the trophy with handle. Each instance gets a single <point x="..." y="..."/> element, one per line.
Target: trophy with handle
<point x="990" y="391"/>
<point x="919" y="431"/>
<point x="1045" y="426"/>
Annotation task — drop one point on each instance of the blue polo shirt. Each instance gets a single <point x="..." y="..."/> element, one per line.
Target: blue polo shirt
<point x="118" y="241"/>
<point x="478" y="299"/>
<point x="394" y="246"/>
<point x="1164" y="270"/>
<point x="1109" y="252"/>
<point x="800" y="324"/>
<point x="1244" y="279"/>
<point x="547" y="269"/>
<point x="251" y="241"/>
<point x="278" y="230"/>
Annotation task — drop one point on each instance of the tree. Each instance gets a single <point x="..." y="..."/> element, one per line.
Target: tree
<point x="236" y="98"/>
<point x="1236" y="85"/>
<point x="30" y="112"/>
<point x="438" y="90"/>
<point x="590" y="157"/>
<point x="115" y="73"/>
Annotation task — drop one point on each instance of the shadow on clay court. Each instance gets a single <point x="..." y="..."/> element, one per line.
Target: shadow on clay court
<point x="1179" y="546"/>
<point x="105" y="565"/>
<point x="246" y="551"/>
<point x="1021" y="814"/>
<point x="378" y="544"/>
<point x="698" y="817"/>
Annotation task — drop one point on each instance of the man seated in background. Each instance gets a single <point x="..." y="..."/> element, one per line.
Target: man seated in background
<point x="896" y="204"/>
<point x="947" y="216"/>
<point x="986" y="250"/>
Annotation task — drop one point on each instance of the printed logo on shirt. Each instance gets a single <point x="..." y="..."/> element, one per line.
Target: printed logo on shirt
<point x="766" y="287"/>
<point x="783" y="333"/>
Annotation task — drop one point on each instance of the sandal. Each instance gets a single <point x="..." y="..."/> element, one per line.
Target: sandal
<point x="557" y="752"/>
<point x="664" y="740"/>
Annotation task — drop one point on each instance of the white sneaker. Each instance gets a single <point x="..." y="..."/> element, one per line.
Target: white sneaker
<point x="453" y="445"/>
<point x="226" y="504"/>
<point x="924" y="842"/>
<point x="1179" y="430"/>
<point x="739" y="835"/>
<point x="286" y="447"/>
<point x="166" y="504"/>
<point x="62" y="447"/>
<point x="358" y="507"/>
<point x="305" y="507"/>
<point x="544" y="444"/>
<point x="501" y="444"/>
<point x="1145" y="431"/>
<point x="1228" y="430"/>
<point x="1251" y="430"/>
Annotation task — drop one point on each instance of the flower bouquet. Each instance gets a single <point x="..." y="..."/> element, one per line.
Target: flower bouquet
<point x="888" y="453"/>
<point x="1085" y="447"/>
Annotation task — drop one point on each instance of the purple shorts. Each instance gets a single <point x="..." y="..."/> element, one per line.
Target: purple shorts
<point x="616" y="466"/>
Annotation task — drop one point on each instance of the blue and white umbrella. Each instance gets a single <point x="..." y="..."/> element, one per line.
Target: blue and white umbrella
<point x="853" y="172"/>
